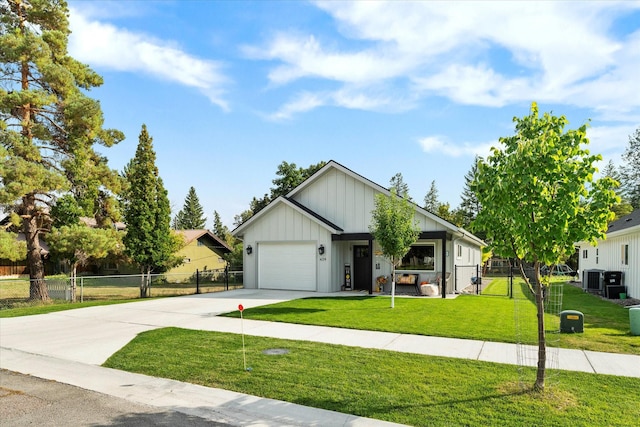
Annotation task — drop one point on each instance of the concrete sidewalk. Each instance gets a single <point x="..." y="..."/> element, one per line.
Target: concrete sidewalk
<point x="69" y="346"/>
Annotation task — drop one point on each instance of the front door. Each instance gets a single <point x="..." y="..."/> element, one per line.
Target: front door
<point x="361" y="268"/>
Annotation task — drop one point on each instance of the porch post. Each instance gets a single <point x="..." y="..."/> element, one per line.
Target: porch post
<point x="443" y="278"/>
<point x="370" y="266"/>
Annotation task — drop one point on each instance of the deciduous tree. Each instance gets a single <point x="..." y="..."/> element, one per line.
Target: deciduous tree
<point x="80" y="244"/>
<point x="539" y="198"/>
<point x="394" y="227"/>
<point x="48" y="125"/>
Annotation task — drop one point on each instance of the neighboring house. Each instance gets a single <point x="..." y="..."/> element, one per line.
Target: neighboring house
<point x="317" y="238"/>
<point x="19" y="268"/>
<point x="620" y="251"/>
<point x="203" y="250"/>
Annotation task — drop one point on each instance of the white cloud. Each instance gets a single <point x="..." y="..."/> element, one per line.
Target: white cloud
<point x="474" y="53"/>
<point x="104" y="45"/>
<point x="437" y="144"/>
<point x="610" y="141"/>
<point x="302" y="103"/>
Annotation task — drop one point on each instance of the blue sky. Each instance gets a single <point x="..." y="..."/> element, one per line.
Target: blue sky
<point x="230" y="89"/>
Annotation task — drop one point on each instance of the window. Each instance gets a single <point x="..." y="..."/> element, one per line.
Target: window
<point x="419" y="257"/>
<point x="459" y="251"/>
<point x="624" y="254"/>
<point x="585" y="253"/>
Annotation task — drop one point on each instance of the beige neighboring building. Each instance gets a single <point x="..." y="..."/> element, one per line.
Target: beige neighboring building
<point x="203" y="250"/>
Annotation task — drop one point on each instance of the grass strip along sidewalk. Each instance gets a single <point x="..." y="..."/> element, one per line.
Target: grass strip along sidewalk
<point x="482" y="318"/>
<point x="398" y="387"/>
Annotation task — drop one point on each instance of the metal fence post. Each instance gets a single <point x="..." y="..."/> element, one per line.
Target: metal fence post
<point x="197" y="281"/>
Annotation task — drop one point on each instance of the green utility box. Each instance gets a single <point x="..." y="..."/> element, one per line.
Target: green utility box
<point x="571" y="321"/>
<point x="634" y="320"/>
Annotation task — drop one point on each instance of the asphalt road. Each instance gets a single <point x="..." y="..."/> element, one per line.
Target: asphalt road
<point x="27" y="401"/>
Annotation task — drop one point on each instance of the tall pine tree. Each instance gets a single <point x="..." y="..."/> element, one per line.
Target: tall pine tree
<point x="149" y="241"/>
<point x="48" y="125"/>
<point x="431" y="202"/>
<point x="631" y="170"/>
<point x="191" y="215"/>
<point x="469" y="204"/>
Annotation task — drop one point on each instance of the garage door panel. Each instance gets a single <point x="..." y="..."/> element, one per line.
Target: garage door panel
<point x="289" y="266"/>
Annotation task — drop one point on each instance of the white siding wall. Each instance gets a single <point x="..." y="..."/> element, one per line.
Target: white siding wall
<point x="285" y="224"/>
<point x="607" y="256"/>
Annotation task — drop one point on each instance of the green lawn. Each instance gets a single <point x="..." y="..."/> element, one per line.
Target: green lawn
<point x="467" y="316"/>
<point x="397" y="387"/>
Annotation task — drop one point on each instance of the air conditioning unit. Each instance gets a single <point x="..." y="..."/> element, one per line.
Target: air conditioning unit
<point x="592" y="280"/>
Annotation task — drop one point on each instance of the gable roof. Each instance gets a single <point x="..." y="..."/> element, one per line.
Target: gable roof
<point x="332" y="164"/>
<point x="627" y="222"/>
<point x="191" y="235"/>
<point x="313" y="216"/>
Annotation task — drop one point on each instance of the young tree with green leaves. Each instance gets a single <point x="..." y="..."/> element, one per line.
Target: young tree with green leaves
<point x="48" y="125"/>
<point x="80" y="244"/>
<point x="394" y="227"/>
<point x="539" y="198"/>
<point x="191" y="216"/>
<point x="149" y="241"/>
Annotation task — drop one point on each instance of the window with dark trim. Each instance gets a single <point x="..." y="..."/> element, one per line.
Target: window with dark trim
<point x="420" y="257"/>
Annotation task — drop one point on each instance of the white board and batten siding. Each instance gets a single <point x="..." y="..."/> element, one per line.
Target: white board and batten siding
<point x="285" y="251"/>
<point x="608" y="256"/>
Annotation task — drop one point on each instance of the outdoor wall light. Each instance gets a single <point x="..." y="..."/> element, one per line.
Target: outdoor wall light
<point x="321" y="250"/>
<point x="249" y="250"/>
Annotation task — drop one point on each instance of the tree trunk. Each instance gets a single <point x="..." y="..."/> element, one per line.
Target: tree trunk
<point x="37" y="286"/>
<point x="145" y="281"/>
<point x="393" y="283"/>
<point x="74" y="275"/>
<point x="542" y="341"/>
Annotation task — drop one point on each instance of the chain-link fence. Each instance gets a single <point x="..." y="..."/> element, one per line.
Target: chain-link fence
<point x="14" y="292"/>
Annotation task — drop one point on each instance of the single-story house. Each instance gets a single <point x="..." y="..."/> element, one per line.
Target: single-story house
<point x="619" y="252"/>
<point x="317" y="238"/>
<point x="203" y="250"/>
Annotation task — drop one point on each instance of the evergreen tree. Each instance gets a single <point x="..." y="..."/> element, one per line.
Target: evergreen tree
<point x="190" y="217"/>
<point x="631" y="171"/>
<point x="469" y="205"/>
<point x="65" y="212"/>
<point x="149" y="241"/>
<point x="431" y="202"/>
<point x="402" y="188"/>
<point x="219" y="229"/>
<point x="624" y="207"/>
<point x="48" y="125"/>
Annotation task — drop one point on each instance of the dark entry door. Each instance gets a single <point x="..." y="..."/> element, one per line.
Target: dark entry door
<point x="361" y="268"/>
